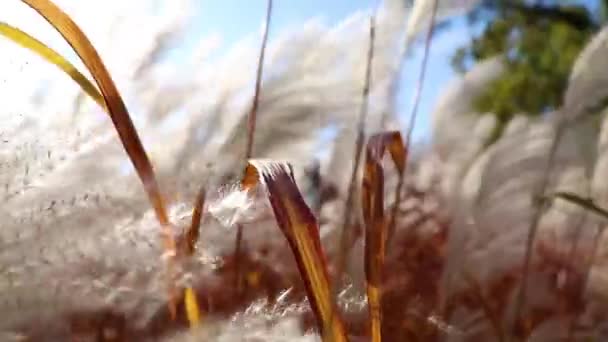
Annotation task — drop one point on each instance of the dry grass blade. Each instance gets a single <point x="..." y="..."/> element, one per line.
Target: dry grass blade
<point x="258" y="84"/>
<point x="118" y="113"/>
<point x="414" y="112"/>
<point x="250" y="134"/>
<point x="193" y="232"/>
<point x="300" y="227"/>
<point x="25" y="40"/>
<point x="421" y="76"/>
<point x="585" y="203"/>
<point x="373" y="214"/>
<point x="190" y="239"/>
<point x="346" y="222"/>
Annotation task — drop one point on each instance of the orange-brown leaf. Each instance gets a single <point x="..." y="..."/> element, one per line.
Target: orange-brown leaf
<point x="373" y="215"/>
<point x="117" y="111"/>
<point x="300" y="227"/>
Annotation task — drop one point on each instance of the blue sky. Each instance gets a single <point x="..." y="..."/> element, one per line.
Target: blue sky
<point x="233" y="19"/>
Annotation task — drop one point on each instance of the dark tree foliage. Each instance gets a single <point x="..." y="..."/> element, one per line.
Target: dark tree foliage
<point x="540" y="41"/>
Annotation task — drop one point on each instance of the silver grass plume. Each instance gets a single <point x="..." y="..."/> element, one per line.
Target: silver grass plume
<point x="75" y="227"/>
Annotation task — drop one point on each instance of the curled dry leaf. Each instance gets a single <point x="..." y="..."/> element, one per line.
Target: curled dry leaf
<point x="373" y="215"/>
<point x="298" y="224"/>
<point x="118" y="112"/>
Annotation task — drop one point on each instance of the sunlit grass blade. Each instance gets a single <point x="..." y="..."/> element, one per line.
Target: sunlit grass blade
<point x="375" y="223"/>
<point x="118" y="111"/>
<point x="119" y="116"/>
<point x="27" y="41"/>
<point x="298" y="224"/>
<point x="191" y="306"/>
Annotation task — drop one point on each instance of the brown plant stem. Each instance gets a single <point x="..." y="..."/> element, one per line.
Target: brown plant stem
<point x="193" y="233"/>
<point x="251" y="120"/>
<point x="413" y="115"/>
<point x="345" y="235"/>
<point x="372" y="205"/>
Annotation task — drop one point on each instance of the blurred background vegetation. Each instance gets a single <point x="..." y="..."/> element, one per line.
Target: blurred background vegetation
<point x="540" y="40"/>
<point x="525" y="67"/>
